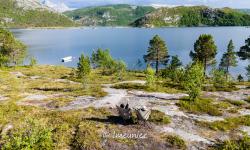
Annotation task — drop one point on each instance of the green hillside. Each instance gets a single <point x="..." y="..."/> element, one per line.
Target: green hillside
<point x="193" y="16"/>
<point x="111" y="15"/>
<point x="13" y="16"/>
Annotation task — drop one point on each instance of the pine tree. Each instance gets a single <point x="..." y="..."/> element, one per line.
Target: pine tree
<point x="157" y="52"/>
<point x="248" y="72"/>
<point x="83" y="68"/>
<point x="244" y="52"/>
<point x="193" y="80"/>
<point x="205" y="50"/>
<point x="229" y="58"/>
<point x="240" y="78"/>
<point x="175" y="63"/>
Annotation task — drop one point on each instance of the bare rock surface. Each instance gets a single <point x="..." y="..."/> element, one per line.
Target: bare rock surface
<point x="18" y="74"/>
<point x="235" y="95"/>
<point x="158" y="95"/>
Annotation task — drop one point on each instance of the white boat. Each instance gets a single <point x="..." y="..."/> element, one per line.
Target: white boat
<point x="67" y="59"/>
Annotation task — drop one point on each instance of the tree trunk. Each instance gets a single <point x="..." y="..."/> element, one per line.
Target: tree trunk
<point x="157" y="63"/>
<point x="205" y="66"/>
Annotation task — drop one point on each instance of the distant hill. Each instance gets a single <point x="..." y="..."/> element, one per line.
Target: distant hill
<point x="244" y="10"/>
<point x="30" y="13"/>
<point x="193" y="16"/>
<point x="110" y="15"/>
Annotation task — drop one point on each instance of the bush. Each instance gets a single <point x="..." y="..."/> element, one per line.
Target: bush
<point x="219" y="78"/>
<point x="239" y="144"/>
<point x="159" y="117"/>
<point x="200" y="106"/>
<point x="87" y="137"/>
<point x="32" y="135"/>
<point x="33" y="61"/>
<point x="150" y="77"/>
<point x="175" y="142"/>
<point x="193" y="80"/>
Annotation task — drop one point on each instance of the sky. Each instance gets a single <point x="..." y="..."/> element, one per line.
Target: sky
<point x="211" y="3"/>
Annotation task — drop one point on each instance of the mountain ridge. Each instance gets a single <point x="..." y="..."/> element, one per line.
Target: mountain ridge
<point x="30" y="13"/>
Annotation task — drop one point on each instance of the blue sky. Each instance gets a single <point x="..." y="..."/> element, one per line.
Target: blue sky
<point x="212" y="3"/>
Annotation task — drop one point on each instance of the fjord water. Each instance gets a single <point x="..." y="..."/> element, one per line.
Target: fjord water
<point x="48" y="46"/>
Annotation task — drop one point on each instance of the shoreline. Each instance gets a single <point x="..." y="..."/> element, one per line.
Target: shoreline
<point x="117" y="27"/>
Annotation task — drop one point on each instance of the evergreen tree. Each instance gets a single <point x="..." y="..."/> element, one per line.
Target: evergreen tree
<point x="240" y="78"/>
<point x="205" y="50"/>
<point x="244" y="52"/>
<point x="248" y="72"/>
<point x="193" y="80"/>
<point x="229" y="58"/>
<point x="175" y="63"/>
<point x="157" y="52"/>
<point x="83" y="68"/>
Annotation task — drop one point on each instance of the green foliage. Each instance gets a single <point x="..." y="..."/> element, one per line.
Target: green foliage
<point x="205" y="50"/>
<point x="103" y="60"/>
<point x="244" y="52"/>
<point x="240" y="78"/>
<point x="157" y="53"/>
<point x="12" y="51"/>
<point x="248" y="72"/>
<point x="150" y="76"/>
<point x="87" y="137"/>
<point x="228" y="123"/>
<point x="120" y="68"/>
<point x="200" y="106"/>
<point x="175" y="142"/>
<point x="219" y="78"/>
<point x="193" y="80"/>
<point x="83" y="67"/>
<point x="159" y="117"/>
<point x="32" y="135"/>
<point x="235" y="102"/>
<point x="110" y="15"/>
<point x="31" y="18"/>
<point x="193" y="16"/>
<point x="173" y="70"/>
<point x="234" y="144"/>
<point x="229" y="58"/>
<point x="33" y="61"/>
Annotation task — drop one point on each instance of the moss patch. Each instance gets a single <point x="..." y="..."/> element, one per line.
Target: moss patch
<point x="159" y="117"/>
<point x="200" y="106"/>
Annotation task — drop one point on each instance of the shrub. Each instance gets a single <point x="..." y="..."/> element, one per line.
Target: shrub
<point x="159" y="117"/>
<point x="175" y="142"/>
<point x="238" y="144"/>
<point x="193" y="80"/>
<point x="200" y="106"/>
<point x="150" y="76"/>
<point x="87" y="137"/>
<point x="32" y="135"/>
<point x="33" y="61"/>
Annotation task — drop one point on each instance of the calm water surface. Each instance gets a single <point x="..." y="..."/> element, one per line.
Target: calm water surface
<point x="128" y="44"/>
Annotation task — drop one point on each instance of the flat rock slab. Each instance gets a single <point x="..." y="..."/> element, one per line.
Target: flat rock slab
<point x="206" y="118"/>
<point x="170" y="110"/>
<point x="189" y="137"/>
<point x="18" y="74"/>
<point x="158" y="95"/>
<point x="3" y="98"/>
<point x="245" y="129"/>
<point x="235" y="95"/>
<point x="244" y="112"/>
<point x="80" y="103"/>
<point x="35" y="98"/>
